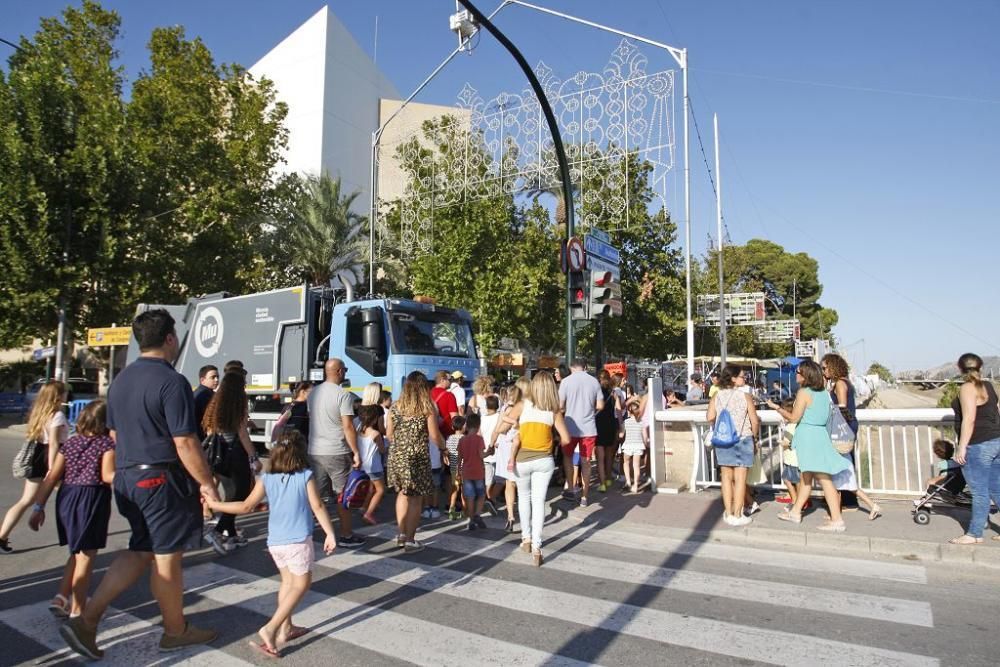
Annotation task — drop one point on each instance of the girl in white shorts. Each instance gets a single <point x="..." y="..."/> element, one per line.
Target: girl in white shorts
<point x="291" y="492"/>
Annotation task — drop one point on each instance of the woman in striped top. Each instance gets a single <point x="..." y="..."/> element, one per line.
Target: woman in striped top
<point x="531" y="455"/>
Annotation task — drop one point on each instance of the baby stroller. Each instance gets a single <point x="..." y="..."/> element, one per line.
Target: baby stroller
<point x="950" y="491"/>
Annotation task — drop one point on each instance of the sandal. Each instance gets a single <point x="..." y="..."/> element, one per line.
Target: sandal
<point x="526" y="546"/>
<point x="59" y="607"/>
<point x="833" y="527"/>
<point x="875" y="512"/>
<point x="296" y="633"/>
<point x="788" y="516"/>
<point x="368" y="519"/>
<point x="266" y="649"/>
<point x="966" y="540"/>
<point x="995" y="538"/>
<point x="400" y="540"/>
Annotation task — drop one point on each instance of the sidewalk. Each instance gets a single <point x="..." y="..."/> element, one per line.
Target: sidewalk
<point x="698" y="517"/>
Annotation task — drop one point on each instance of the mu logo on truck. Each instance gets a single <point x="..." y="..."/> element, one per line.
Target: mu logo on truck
<point x="208" y="330"/>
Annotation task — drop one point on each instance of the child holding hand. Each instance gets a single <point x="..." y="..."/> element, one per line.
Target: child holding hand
<point x="291" y="492"/>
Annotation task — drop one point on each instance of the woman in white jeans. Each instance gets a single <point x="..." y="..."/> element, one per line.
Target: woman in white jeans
<point x="531" y="455"/>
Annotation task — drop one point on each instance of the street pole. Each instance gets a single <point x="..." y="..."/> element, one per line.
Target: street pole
<point x="718" y="223"/>
<point x="550" y="119"/>
<point x="687" y="216"/>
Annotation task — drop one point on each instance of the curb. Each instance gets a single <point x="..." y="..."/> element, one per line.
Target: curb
<point x="910" y="550"/>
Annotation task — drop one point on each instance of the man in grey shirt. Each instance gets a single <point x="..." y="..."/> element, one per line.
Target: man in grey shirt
<point x="333" y="446"/>
<point x="581" y="398"/>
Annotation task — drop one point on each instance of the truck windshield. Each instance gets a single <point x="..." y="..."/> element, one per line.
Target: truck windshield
<point x="415" y="335"/>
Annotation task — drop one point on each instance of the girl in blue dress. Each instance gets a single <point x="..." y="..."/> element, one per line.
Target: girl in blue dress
<point x="817" y="458"/>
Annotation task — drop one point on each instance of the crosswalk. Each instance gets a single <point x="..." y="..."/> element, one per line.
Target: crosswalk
<point x="605" y="595"/>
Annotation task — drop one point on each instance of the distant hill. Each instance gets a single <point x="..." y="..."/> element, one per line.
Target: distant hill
<point x="991" y="368"/>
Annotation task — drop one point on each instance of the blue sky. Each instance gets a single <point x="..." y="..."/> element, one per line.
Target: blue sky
<point x="863" y="133"/>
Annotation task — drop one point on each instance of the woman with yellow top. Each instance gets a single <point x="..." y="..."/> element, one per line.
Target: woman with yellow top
<point x="531" y="455"/>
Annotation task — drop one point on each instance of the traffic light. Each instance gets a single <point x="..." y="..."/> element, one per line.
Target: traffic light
<point x="578" y="295"/>
<point x="605" y="295"/>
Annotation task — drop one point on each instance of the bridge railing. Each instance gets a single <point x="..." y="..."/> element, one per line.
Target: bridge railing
<point x="893" y="455"/>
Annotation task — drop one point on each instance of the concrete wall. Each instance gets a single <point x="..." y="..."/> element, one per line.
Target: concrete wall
<point x="332" y="89"/>
<point x="392" y="181"/>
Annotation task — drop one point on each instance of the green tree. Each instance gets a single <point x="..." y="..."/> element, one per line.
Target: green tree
<point x="765" y="266"/>
<point x="881" y="371"/>
<point x="652" y="322"/>
<point x="204" y="141"/>
<point x="325" y="238"/>
<point x="64" y="182"/>
<point x="491" y="257"/>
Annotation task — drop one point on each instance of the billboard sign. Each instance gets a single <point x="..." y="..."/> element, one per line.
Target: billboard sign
<point x="741" y="308"/>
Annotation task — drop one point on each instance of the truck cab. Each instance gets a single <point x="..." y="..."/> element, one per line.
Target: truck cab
<point x="384" y="340"/>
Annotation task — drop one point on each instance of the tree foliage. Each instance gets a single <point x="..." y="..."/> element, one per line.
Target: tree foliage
<point x="791" y="281"/>
<point x="491" y="257"/>
<point x="881" y="371"/>
<point x="107" y="202"/>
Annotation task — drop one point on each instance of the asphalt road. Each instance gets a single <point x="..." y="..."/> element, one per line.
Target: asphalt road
<point x="607" y="595"/>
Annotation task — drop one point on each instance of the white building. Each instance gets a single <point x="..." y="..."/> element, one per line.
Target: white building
<point x="333" y="90"/>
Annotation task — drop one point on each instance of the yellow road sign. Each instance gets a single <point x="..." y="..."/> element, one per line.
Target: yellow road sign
<point x="108" y="336"/>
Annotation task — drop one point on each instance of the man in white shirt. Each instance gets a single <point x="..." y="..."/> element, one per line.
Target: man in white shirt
<point x="458" y="391"/>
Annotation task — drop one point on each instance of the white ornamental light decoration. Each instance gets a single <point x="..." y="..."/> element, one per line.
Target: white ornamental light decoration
<point x="508" y="150"/>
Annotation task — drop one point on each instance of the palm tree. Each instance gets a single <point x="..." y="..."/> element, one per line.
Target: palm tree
<point x="330" y="240"/>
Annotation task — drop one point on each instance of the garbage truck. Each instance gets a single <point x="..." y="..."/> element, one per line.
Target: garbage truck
<point x="284" y="336"/>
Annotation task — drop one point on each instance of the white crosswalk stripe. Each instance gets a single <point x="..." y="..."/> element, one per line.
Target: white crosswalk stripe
<point x="791" y="596"/>
<point x="712" y="636"/>
<point x="814" y="563"/>
<point x="126" y="640"/>
<point x="376" y="629"/>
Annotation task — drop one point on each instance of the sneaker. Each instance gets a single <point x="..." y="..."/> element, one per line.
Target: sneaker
<point x="237" y="540"/>
<point x="742" y="520"/>
<point x="479" y="522"/>
<point x="350" y="542"/>
<point x="413" y="547"/>
<point x="426" y="513"/>
<point x="753" y="509"/>
<point x="471" y="525"/>
<point x="603" y="487"/>
<point x="583" y="501"/>
<point x="5" y="547"/>
<point x="727" y="519"/>
<point x="192" y="636"/>
<point x="434" y="513"/>
<point x="218" y="542"/>
<point x="81" y="639"/>
<point x="454" y="515"/>
<point x="568" y="495"/>
<point x="212" y="520"/>
<point x="490" y="507"/>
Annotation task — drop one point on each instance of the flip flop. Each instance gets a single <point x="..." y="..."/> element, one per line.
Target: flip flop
<point x="966" y="540"/>
<point x="296" y="633"/>
<point x="266" y="649"/>
<point x="875" y="512"/>
<point x="59" y="607"/>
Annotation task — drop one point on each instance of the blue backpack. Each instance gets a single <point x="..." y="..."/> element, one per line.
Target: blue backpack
<point x="724" y="432"/>
<point x="355" y="490"/>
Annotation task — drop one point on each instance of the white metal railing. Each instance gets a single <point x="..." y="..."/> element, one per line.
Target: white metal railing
<point x="894" y="453"/>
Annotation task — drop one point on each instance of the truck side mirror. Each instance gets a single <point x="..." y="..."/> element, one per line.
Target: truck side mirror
<point x="372" y="337"/>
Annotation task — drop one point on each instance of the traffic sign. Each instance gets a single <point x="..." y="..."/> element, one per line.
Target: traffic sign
<point x="576" y="258"/>
<point x="109" y="336"/>
<point x="598" y="248"/>
<point x="43" y="353"/>
<point x="597" y="264"/>
<point x="600" y="235"/>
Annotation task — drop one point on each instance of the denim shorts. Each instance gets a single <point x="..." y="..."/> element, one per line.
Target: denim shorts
<point x="739" y="455"/>
<point x="473" y="488"/>
<point x="791" y="474"/>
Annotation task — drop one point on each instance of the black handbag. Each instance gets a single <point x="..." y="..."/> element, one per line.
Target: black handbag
<point x="31" y="461"/>
<point x="216" y="453"/>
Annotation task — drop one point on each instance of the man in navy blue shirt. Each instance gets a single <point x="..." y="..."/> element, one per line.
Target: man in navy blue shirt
<point x="160" y="474"/>
<point x="208" y="382"/>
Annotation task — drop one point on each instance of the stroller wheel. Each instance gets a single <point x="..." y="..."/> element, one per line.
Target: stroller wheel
<point x="921" y="517"/>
